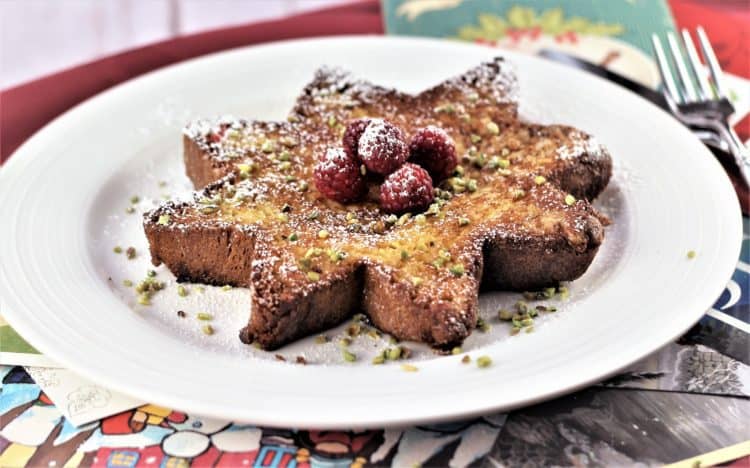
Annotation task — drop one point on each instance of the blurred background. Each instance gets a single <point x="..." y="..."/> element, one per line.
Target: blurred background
<point x="38" y="37"/>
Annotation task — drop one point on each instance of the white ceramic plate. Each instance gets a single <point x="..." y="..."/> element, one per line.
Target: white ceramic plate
<point x="63" y="196"/>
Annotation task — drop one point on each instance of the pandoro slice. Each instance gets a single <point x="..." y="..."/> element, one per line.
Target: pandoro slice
<point x="515" y="217"/>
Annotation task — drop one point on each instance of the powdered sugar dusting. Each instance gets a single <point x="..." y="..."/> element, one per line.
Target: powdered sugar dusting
<point x="582" y="144"/>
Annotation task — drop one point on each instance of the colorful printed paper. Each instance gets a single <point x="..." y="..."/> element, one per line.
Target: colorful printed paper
<point x="80" y="401"/>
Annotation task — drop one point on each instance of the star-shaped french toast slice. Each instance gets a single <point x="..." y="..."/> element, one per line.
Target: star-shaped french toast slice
<point x="514" y="215"/>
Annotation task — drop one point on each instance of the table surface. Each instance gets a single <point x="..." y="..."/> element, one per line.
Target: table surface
<point x="687" y="399"/>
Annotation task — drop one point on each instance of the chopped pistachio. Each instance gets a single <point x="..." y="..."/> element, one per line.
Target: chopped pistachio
<point x="517" y="193"/>
<point x="459" y="171"/>
<point x="204" y="316"/>
<point x="207" y="329"/>
<point x="336" y="255"/>
<point x="285" y="155"/>
<point x="163" y="220"/>
<point x="130" y="210"/>
<point x="127" y="283"/>
<point x="303" y="186"/>
<point x="323" y="234"/>
<point x="409" y="368"/>
<point x="313" y="215"/>
<point x="321" y="339"/>
<point x="493" y="128"/>
<point x="691" y="254"/>
<point x="144" y="299"/>
<point x="151" y="273"/>
<point x="416" y="281"/>
<point x="503" y="164"/>
<point x="547" y="293"/>
<point x="404" y="255"/>
<point x="433" y="209"/>
<point x="457" y="269"/>
<point x="268" y="146"/>
<point x="313" y="276"/>
<point x="475" y="138"/>
<point x="484" y="361"/>
<point x="570" y="199"/>
<point x="354" y="329"/>
<point x="480" y="160"/>
<point x="522" y="307"/>
<point x="403" y="219"/>
<point x="463" y="221"/>
<point x="245" y="169"/>
<point x="285" y="166"/>
<point x="457" y="350"/>
<point x="471" y="185"/>
<point x="292" y="237"/>
<point x="391" y="219"/>
<point x="348" y="355"/>
<point x="420" y="219"/>
<point x="564" y="292"/>
<point x="130" y="253"/>
<point x="283" y="217"/>
<point x="539" y="180"/>
<point x="447" y="108"/>
<point x="344" y="342"/>
<point x="117" y="249"/>
<point x="504" y="315"/>
<point x="394" y="353"/>
<point x="289" y="178"/>
<point x="515" y="330"/>
<point x="313" y="252"/>
<point x="331" y="121"/>
<point x="527" y="322"/>
<point x="483" y="326"/>
<point x="182" y="291"/>
<point x="135" y="199"/>
<point x="466" y="359"/>
<point x="226" y="287"/>
<point x="379" y="359"/>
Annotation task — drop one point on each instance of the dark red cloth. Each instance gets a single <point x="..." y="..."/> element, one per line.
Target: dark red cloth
<point x="24" y="109"/>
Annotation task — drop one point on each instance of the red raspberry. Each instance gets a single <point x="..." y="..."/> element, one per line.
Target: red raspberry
<point x="338" y="177"/>
<point x="352" y="134"/>
<point x="433" y="149"/>
<point x="217" y="135"/>
<point x="382" y="147"/>
<point x="407" y="189"/>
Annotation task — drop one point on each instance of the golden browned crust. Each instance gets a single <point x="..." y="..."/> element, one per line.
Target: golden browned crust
<point x="417" y="279"/>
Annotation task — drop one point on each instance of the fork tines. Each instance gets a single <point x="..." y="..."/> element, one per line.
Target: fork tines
<point x="691" y="72"/>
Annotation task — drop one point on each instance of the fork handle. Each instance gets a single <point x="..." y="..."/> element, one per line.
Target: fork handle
<point x="739" y="151"/>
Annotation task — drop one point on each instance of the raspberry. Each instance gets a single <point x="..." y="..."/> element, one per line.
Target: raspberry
<point x="382" y="147"/>
<point x="352" y="134"/>
<point x="407" y="189"/>
<point x="338" y="177"/>
<point x="216" y="136"/>
<point x="433" y="149"/>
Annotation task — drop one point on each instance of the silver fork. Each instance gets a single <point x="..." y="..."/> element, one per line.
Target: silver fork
<point x="705" y="108"/>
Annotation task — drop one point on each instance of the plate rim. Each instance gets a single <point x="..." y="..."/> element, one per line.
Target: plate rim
<point x="18" y="160"/>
